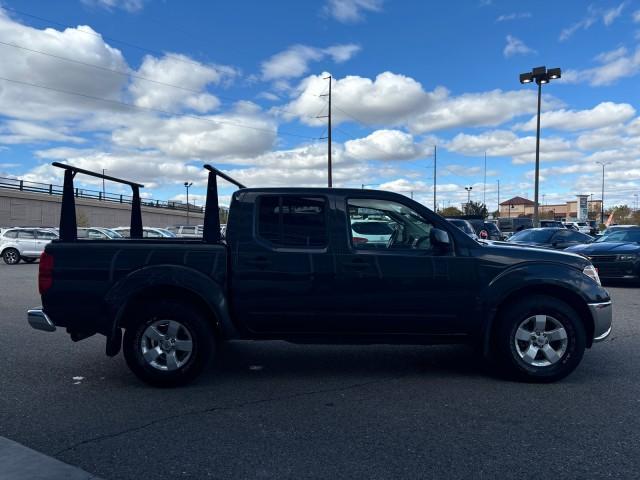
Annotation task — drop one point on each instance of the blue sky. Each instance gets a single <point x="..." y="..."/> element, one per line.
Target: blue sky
<point x="237" y="84"/>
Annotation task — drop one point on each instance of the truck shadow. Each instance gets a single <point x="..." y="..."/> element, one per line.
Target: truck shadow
<point x="276" y="359"/>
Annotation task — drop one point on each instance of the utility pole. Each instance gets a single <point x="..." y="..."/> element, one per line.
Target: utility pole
<point x="498" y="197"/>
<point x="328" y="116"/>
<point x="103" y="170"/>
<point x="602" y="205"/>
<point x="484" y="184"/>
<point x="435" y="161"/>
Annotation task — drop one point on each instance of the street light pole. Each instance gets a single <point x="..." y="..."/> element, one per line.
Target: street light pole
<point x="103" y="170"/>
<point x="468" y="189"/>
<point x="187" y="185"/>
<point x="602" y="197"/>
<point x="540" y="75"/>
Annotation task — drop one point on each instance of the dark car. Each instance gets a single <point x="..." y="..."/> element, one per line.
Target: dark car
<point x="290" y="269"/>
<point x="510" y="225"/>
<point x="616" y="255"/>
<point x="551" y="223"/>
<point x="559" y="238"/>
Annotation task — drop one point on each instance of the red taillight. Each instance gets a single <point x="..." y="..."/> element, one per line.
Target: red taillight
<point x="357" y="240"/>
<point x="45" y="272"/>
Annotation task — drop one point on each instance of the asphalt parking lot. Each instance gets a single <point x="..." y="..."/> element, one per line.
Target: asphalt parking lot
<point x="275" y="410"/>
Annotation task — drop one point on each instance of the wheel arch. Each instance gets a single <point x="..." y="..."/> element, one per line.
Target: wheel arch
<point x="559" y="292"/>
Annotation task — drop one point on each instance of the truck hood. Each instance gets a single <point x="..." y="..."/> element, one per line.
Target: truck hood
<point x="521" y="253"/>
<point x="605" y="247"/>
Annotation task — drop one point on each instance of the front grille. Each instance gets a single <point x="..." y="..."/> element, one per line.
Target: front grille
<point x="602" y="258"/>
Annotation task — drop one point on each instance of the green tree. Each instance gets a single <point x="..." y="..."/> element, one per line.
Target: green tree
<point x="477" y="208"/>
<point x="450" y="212"/>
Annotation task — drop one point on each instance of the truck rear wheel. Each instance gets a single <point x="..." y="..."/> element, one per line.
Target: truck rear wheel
<point x="539" y="339"/>
<point x="168" y="343"/>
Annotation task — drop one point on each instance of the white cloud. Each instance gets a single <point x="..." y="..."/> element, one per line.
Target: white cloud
<point x="388" y="99"/>
<point x="351" y="11"/>
<point x="474" y="110"/>
<point x="503" y="143"/>
<point x="385" y="145"/>
<point x="513" y="16"/>
<point x="615" y="65"/>
<point x="636" y="16"/>
<point x="27" y="102"/>
<point x="190" y="76"/>
<point x="19" y="131"/>
<point x="128" y="5"/>
<point x="515" y="46"/>
<point x="242" y="132"/>
<point x="602" y="115"/>
<point x="294" y="61"/>
<point x="608" y="16"/>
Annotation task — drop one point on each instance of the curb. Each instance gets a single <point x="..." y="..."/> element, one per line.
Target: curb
<point x="18" y="462"/>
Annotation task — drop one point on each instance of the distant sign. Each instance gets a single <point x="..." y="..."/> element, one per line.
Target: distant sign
<point x="583" y="207"/>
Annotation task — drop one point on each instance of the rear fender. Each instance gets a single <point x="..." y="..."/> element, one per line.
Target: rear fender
<point x="153" y="277"/>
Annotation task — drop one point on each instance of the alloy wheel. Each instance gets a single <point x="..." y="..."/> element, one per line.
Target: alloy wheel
<point x="541" y="340"/>
<point x="166" y="345"/>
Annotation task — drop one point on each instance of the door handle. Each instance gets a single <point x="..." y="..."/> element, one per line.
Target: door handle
<point x="357" y="264"/>
<point x="258" y="261"/>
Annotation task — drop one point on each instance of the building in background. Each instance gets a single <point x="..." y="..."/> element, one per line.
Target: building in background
<point x="568" y="211"/>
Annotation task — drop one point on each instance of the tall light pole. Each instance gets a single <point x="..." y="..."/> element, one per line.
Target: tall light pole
<point x="103" y="170"/>
<point x="468" y="189"/>
<point x="540" y="75"/>
<point x="498" y="198"/>
<point x="187" y="185"/>
<point x="604" y="164"/>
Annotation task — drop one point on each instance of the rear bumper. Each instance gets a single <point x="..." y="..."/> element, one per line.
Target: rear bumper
<point x="40" y="320"/>
<point x="602" y="314"/>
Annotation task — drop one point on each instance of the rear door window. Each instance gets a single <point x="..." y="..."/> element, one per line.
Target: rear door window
<point x="26" y="234"/>
<point x="293" y="221"/>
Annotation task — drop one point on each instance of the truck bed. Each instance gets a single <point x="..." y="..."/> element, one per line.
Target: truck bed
<point x="86" y="274"/>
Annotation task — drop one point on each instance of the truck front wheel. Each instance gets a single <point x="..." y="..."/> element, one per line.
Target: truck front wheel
<point x="168" y="343"/>
<point x="539" y="339"/>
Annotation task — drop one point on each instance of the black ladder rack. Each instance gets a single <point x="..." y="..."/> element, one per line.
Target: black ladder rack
<point x="211" y="233"/>
<point x="68" y="223"/>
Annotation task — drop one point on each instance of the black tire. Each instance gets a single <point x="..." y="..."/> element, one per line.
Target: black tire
<point x="196" y="325"/>
<point x="514" y="364"/>
<point x="29" y="259"/>
<point x="11" y="256"/>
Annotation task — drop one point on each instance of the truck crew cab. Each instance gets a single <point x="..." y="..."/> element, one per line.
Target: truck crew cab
<point x="292" y="268"/>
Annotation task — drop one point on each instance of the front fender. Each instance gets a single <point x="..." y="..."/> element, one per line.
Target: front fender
<point x="150" y="277"/>
<point x="557" y="279"/>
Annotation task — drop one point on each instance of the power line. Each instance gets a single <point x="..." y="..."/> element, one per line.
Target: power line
<point x="95" y="34"/>
<point x="130" y="74"/>
<point x="151" y="109"/>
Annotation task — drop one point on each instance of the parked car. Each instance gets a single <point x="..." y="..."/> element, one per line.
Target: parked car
<point x="187" y="231"/>
<point x="616" y="255"/>
<point x="24" y="244"/>
<point x="582" y="227"/>
<point x="147" y="232"/>
<point x="372" y="231"/>
<point x="98" y="233"/>
<point x="290" y="270"/>
<point x="559" y="238"/>
<point x="551" y="224"/>
<point x="510" y="225"/>
<point x="465" y="226"/>
<point x="615" y="228"/>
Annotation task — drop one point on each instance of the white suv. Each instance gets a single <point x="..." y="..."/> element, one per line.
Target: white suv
<point x="24" y="244"/>
<point x="582" y="227"/>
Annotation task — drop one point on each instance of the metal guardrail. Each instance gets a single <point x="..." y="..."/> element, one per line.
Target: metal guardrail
<point x="51" y="189"/>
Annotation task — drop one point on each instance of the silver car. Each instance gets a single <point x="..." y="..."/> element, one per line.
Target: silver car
<point x="24" y="244"/>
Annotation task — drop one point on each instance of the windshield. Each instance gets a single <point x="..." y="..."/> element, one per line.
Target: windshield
<point x="536" y="236"/>
<point x="462" y="225"/>
<point x="621" y="236"/>
<point x="111" y="234"/>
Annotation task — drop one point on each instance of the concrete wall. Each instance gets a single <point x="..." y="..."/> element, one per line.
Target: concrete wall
<point x="38" y="209"/>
